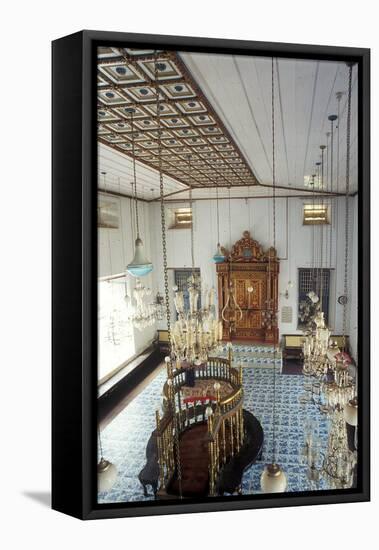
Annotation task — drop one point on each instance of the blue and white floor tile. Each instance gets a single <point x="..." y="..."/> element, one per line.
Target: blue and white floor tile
<point x="124" y="440"/>
<point x="254" y="354"/>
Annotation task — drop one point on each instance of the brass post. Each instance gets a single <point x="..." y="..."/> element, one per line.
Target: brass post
<point x="237" y="432"/>
<point x="241" y="426"/>
<point x="223" y="440"/>
<point x="231" y="436"/>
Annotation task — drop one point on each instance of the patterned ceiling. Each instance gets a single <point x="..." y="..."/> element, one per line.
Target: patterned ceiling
<point x="190" y="126"/>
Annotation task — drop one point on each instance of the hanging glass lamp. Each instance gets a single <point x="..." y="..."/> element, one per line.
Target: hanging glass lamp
<point x="140" y="265"/>
<point x="219" y="257"/>
<point x="106" y="475"/>
<point x="273" y="479"/>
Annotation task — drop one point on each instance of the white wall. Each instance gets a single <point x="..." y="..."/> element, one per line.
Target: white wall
<point x="257" y="214"/>
<point x="353" y="278"/>
<point x="116" y="250"/>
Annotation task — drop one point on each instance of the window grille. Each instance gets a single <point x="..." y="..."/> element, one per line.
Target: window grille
<point x="318" y="281"/>
<point x="181" y="277"/>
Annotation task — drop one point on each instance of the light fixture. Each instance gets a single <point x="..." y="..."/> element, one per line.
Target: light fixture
<point x="140" y="265"/>
<point x="231" y="303"/>
<point x="197" y="332"/>
<point x="143" y="313"/>
<point x="219" y="256"/>
<point x="106" y="472"/>
<point x="273" y="478"/>
<point x="106" y="475"/>
<point x="351" y="412"/>
<point x="286" y="293"/>
<point x="338" y="387"/>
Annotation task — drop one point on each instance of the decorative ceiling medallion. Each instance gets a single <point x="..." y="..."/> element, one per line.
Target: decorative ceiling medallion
<point x="121" y="74"/>
<point x="165" y="110"/>
<point x="123" y="113"/>
<point x="119" y="127"/>
<point x="126" y="77"/>
<point x="141" y="93"/>
<point x="111" y="97"/>
<point x="191" y="107"/>
<point x="167" y="69"/>
<point x="178" y="91"/>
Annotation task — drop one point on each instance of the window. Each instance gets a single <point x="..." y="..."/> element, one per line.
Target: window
<point x="316" y="214"/>
<point x="107" y="213"/>
<point x="181" y="218"/>
<point x="115" y="331"/>
<point x="315" y="280"/>
<point x="181" y="277"/>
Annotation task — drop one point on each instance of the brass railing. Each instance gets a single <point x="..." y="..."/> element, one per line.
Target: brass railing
<point x="225" y="425"/>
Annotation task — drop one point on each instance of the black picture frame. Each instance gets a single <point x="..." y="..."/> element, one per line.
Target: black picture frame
<point x="74" y="294"/>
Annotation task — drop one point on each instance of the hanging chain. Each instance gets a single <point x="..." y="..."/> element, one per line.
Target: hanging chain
<point x="191" y="209"/>
<point x="230" y="265"/>
<point x="313" y="236"/>
<point x="273" y="155"/>
<point x="100" y="444"/>
<point x="317" y="269"/>
<point x="248" y="208"/>
<point x="134" y="170"/>
<point x="272" y="303"/>
<point x="218" y="218"/>
<point x="165" y="270"/>
<point x="348" y="125"/>
<point x="322" y="147"/>
<point x="161" y="189"/>
<point x="331" y="190"/>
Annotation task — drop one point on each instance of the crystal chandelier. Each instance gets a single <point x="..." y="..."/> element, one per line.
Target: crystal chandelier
<point x="143" y="313"/>
<point x="315" y="348"/>
<point x="197" y="332"/>
<point x="337" y="386"/>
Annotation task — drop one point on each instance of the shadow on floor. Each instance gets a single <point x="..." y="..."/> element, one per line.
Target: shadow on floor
<point x="42" y="497"/>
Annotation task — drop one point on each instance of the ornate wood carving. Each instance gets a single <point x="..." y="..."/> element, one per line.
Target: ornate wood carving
<point x="252" y="274"/>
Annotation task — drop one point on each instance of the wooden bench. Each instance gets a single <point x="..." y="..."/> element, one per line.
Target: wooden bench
<point x="292" y="347"/>
<point x="163" y="341"/>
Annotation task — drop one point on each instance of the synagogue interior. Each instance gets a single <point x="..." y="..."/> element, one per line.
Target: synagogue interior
<point x="227" y="225"/>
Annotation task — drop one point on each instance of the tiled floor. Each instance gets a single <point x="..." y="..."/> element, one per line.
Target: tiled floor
<point x="124" y="439"/>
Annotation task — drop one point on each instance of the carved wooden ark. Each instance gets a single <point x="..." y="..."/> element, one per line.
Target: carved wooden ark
<point x="248" y="292"/>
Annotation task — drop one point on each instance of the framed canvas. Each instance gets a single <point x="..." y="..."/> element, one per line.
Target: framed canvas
<point x="224" y="366"/>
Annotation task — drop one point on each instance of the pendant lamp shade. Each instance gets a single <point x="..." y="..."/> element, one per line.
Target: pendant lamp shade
<point x="351" y="412"/>
<point x="273" y="479"/>
<point x="140" y="265"/>
<point x="219" y="257"/>
<point x="106" y="475"/>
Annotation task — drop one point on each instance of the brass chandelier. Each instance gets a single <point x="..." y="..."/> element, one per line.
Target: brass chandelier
<point x="338" y="389"/>
<point x="197" y="332"/>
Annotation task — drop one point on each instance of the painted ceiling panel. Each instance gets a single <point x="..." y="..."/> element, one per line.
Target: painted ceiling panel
<point x="218" y="109"/>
